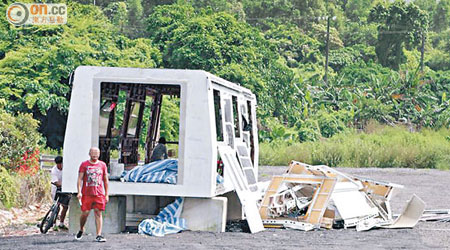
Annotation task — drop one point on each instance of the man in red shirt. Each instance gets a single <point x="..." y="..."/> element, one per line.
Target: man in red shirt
<point x="92" y="191"/>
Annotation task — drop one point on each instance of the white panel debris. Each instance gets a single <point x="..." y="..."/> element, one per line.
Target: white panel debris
<point x="353" y="205"/>
<point x="309" y="197"/>
<point x="410" y="215"/>
<point x="233" y="171"/>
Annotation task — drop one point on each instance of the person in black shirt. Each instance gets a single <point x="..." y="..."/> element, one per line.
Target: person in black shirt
<point x="160" y="151"/>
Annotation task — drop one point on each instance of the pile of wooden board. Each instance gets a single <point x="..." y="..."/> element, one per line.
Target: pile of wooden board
<point x="309" y="197"/>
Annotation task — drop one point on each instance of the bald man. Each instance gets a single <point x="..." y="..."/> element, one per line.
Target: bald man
<point x="92" y="191"/>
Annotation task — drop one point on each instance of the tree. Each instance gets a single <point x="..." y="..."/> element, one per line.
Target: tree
<point x="357" y="10"/>
<point x="217" y="42"/>
<point x="234" y="7"/>
<point x="299" y="12"/>
<point x="34" y="74"/>
<point x="294" y="45"/>
<point x="441" y="17"/>
<point x="117" y="12"/>
<point x="400" y="25"/>
<point x="135" y="14"/>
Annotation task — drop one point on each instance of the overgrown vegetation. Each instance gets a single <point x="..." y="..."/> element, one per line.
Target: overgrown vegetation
<point x="19" y="142"/>
<point x="18" y="190"/>
<point x="275" y="48"/>
<point x="21" y="181"/>
<point x="377" y="146"/>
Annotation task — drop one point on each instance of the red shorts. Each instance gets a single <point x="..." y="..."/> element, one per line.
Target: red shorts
<point x="89" y="202"/>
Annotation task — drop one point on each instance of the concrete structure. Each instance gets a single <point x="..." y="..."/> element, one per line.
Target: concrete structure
<point x="200" y="129"/>
<point x="113" y="217"/>
<point x="213" y="113"/>
<point x="205" y="214"/>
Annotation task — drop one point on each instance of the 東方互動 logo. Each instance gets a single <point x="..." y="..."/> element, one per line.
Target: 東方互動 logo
<point x="36" y="14"/>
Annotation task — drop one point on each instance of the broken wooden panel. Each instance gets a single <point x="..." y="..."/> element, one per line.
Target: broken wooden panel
<point x="274" y="188"/>
<point x="296" y="167"/>
<point x="326" y="222"/>
<point x="380" y="193"/>
<point x="378" y="188"/>
<point x="320" y="202"/>
<point x="319" y="199"/>
<point x="328" y="218"/>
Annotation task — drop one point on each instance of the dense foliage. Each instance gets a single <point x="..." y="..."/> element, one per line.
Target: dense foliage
<point x="19" y="142"/>
<point x="275" y="48"/>
<point x="38" y="60"/>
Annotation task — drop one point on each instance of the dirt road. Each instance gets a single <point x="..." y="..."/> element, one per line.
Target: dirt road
<point x="430" y="185"/>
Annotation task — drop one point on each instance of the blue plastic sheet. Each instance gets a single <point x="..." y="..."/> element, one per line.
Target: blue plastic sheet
<point x="164" y="171"/>
<point x="168" y="221"/>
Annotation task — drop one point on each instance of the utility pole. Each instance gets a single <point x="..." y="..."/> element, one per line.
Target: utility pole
<point x="422" y="51"/>
<point x="327" y="50"/>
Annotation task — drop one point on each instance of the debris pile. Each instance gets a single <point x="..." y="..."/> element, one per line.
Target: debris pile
<point x="309" y="197"/>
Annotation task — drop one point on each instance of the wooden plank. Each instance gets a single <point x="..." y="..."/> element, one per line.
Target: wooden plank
<point x="320" y="201"/>
<point x="274" y="186"/>
<point x="320" y="197"/>
<point x="377" y="189"/>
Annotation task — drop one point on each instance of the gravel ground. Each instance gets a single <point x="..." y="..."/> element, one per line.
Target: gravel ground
<point x="430" y="185"/>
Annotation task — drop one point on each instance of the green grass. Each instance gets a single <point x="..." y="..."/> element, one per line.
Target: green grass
<point x="382" y="147"/>
<point x="20" y="191"/>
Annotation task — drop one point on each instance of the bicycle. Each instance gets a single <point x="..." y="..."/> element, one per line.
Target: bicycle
<point x="52" y="215"/>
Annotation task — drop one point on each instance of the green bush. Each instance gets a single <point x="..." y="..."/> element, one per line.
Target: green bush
<point x="9" y="189"/>
<point x="323" y="123"/>
<point x="331" y="123"/>
<point x="309" y="130"/>
<point x="18" y="135"/>
<point x="274" y="130"/>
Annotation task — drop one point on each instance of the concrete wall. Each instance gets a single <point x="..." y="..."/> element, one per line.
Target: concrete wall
<point x="204" y="214"/>
<point x="114" y="216"/>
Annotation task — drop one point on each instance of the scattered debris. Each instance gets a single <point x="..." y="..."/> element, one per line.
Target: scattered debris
<point x="442" y="215"/>
<point x="309" y="197"/>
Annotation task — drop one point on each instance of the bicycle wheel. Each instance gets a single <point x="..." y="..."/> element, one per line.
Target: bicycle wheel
<point x="49" y="219"/>
<point x="46" y="222"/>
<point x="55" y="214"/>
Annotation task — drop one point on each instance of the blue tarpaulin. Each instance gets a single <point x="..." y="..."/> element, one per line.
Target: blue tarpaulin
<point x="168" y="221"/>
<point x="164" y="171"/>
